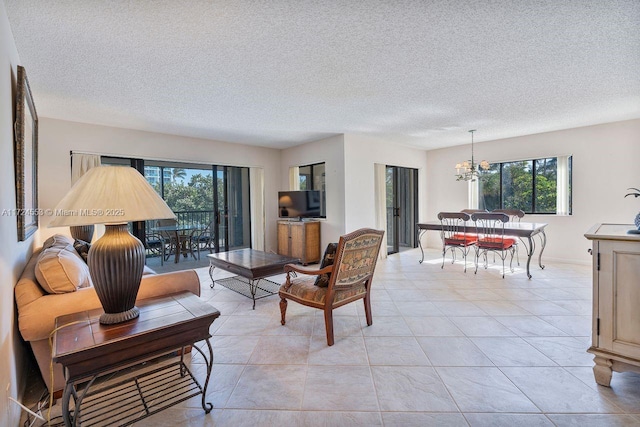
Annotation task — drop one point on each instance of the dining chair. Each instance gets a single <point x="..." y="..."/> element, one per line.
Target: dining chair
<point x="350" y="277"/>
<point x="491" y="238"/>
<point x="455" y="236"/>
<point x="155" y="245"/>
<point x="202" y="238"/>
<point x="515" y="215"/>
<point x="171" y="238"/>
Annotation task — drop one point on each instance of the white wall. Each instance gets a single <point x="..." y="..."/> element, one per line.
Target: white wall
<point x="58" y="138"/>
<point x="361" y="153"/>
<point x="605" y="164"/>
<point x="13" y="254"/>
<point x="331" y="152"/>
<point x="350" y="161"/>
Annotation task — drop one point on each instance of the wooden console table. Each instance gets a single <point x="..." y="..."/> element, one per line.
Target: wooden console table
<point x="615" y="337"/>
<point x="90" y="352"/>
<point x="300" y="239"/>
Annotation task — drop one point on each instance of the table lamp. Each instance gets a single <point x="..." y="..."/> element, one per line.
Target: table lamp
<point x="114" y="196"/>
<point x="285" y="202"/>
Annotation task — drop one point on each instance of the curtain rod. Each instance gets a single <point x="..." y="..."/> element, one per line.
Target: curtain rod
<point x="159" y="159"/>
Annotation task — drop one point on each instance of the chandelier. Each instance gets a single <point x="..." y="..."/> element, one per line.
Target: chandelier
<point x="469" y="170"/>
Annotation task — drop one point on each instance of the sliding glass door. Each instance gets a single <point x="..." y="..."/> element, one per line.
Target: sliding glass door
<point x="233" y="209"/>
<point x="201" y="196"/>
<point x="402" y="208"/>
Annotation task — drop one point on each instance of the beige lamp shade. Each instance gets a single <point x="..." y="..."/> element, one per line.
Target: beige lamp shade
<point x="285" y="201"/>
<point x="110" y="195"/>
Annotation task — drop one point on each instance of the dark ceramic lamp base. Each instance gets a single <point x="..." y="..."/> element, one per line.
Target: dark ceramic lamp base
<point x="116" y="262"/>
<point x="82" y="232"/>
<point x="111" y="318"/>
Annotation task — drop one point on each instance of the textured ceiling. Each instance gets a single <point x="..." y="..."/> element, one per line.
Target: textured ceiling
<point x="283" y="72"/>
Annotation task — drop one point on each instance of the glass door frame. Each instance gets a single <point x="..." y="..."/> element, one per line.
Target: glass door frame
<point x="398" y="214"/>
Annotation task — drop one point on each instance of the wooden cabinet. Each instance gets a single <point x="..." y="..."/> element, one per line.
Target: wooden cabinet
<point x="615" y="340"/>
<point x="300" y="239"/>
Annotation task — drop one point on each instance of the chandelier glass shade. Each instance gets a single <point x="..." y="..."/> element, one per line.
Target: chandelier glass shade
<point x="469" y="170"/>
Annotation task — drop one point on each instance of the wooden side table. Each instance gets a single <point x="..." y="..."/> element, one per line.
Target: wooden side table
<point x="89" y="352"/>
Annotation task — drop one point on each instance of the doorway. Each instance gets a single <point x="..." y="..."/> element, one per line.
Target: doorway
<point x="402" y="208"/>
<point x="232" y="221"/>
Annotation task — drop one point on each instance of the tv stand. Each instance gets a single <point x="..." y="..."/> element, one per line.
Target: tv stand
<point x="300" y="239"/>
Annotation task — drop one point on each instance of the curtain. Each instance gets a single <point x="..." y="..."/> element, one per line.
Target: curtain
<point x="562" y="200"/>
<point x="256" y="189"/>
<point x="474" y="189"/>
<point x="380" y="200"/>
<point x="294" y="178"/>
<point x="81" y="163"/>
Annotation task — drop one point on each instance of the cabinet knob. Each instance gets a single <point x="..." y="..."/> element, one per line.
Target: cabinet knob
<point x="590" y="251"/>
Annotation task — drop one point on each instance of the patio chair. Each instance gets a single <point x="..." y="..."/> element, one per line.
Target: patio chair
<point x="155" y="245"/>
<point x="350" y="278"/>
<point x="202" y="238"/>
<point x="455" y="236"/>
<point x="171" y="238"/>
<point x="491" y="238"/>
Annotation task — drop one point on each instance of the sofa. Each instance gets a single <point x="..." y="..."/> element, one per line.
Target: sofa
<point x="56" y="281"/>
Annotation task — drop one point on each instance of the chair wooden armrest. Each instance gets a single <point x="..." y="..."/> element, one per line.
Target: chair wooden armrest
<point x="309" y="271"/>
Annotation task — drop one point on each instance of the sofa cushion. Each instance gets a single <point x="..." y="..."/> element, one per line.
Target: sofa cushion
<point x="57" y="240"/>
<point x="60" y="269"/>
<point x="82" y="248"/>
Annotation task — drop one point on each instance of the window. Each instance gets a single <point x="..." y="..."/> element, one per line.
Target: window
<point x="539" y="186"/>
<point x="311" y="177"/>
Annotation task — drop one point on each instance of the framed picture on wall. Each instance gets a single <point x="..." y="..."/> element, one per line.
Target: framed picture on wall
<point x="26" y="158"/>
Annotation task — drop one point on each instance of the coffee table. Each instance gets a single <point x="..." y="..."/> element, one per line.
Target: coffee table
<point x="91" y="353"/>
<point x="252" y="265"/>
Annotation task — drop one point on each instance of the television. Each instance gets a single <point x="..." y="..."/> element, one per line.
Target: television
<point x="300" y="204"/>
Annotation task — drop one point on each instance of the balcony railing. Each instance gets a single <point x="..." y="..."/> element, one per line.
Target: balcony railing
<point x="195" y="219"/>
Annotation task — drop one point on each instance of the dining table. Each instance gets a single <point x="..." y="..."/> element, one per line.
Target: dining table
<point x="180" y="236"/>
<point x="525" y="231"/>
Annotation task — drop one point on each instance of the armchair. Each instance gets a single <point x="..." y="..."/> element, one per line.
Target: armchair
<point x="350" y="278"/>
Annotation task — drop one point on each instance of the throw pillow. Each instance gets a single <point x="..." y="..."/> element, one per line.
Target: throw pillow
<point x="327" y="260"/>
<point x="82" y="248"/>
<point x="57" y="240"/>
<point x="60" y="269"/>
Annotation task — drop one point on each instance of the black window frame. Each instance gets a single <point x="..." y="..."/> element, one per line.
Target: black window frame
<point x="534" y="163"/>
<point x="310" y="178"/>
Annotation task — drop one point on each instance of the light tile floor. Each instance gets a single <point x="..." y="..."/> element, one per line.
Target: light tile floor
<point x="446" y="348"/>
